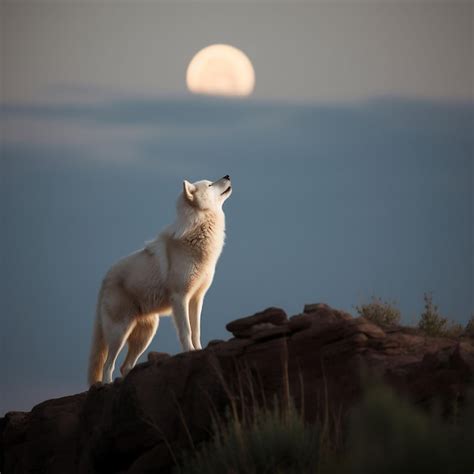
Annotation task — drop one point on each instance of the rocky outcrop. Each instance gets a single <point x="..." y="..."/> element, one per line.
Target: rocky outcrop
<point x="320" y="358"/>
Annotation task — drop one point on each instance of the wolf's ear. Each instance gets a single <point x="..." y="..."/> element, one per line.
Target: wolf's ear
<point x="188" y="190"/>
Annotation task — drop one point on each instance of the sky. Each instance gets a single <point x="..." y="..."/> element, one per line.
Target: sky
<point x="352" y="163"/>
<point x="301" y="51"/>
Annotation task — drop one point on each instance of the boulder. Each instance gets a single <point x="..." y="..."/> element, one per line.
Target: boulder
<point x="245" y="327"/>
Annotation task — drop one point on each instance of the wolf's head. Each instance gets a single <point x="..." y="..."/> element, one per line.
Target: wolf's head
<point x="201" y="201"/>
<point x="207" y="195"/>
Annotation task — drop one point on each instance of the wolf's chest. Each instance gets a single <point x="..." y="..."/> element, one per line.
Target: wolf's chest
<point x="204" y="245"/>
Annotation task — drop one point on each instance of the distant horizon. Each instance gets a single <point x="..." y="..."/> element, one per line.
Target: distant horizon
<point x="71" y="93"/>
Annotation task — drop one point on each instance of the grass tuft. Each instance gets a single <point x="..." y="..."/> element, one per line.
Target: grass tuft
<point x="385" y="435"/>
<point x="275" y="441"/>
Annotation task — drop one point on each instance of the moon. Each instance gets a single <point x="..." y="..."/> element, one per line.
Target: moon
<point x="221" y="69"/>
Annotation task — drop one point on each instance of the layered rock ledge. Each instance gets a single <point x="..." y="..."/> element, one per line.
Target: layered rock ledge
<point x="320" y="357"/>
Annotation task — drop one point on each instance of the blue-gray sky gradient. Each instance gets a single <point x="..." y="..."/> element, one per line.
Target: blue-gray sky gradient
<point x="330" y="203"/>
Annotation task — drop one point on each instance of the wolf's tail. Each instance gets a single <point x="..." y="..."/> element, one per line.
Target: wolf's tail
<point x="98" y="352"/>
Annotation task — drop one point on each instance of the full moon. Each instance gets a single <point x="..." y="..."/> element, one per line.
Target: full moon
<point x="221" y="69"/>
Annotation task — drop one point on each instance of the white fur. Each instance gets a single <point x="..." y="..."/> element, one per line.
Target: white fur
<point x="170" y="275"/>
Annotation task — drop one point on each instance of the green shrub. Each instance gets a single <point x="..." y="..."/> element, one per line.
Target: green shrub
<point x="380" y="312"/>
<point x="432" y="323"/>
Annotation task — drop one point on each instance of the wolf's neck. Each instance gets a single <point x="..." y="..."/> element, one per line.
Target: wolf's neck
<point x="207" y="236"/>
<point x="199" y="225"/>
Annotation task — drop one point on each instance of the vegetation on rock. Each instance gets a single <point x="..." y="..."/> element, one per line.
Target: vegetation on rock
<point x="433" y="323"/>
<point x="385" y="434"/>
<point x="380" y="312"/>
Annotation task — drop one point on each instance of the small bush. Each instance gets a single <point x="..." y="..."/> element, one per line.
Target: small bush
<point x="432" y="323"/>
<point x="380" y="312"/>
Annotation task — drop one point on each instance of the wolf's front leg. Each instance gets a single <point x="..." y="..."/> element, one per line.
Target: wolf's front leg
<point x="195" y="309"/>
<point x="179" y="304"/>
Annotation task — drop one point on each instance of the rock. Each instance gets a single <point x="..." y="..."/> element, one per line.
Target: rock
<point x="315" y="307"/>
<point x="252" y="330"/>
<point x="462" y="357"/>
<point x="368" y="328"/>
<point x="323" y="311"/>
<point x="232" y="348"/>
<point x="157" y="357"/>
<point x="165" y="405"/>
<point x="299" y="322"/>
<point x="242" y="327"/>
<point x="214" y="342"/>
<point x="323" y="316"/>
<point x="270" y="332"/>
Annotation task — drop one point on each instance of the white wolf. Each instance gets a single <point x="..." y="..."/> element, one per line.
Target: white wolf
<point x="170" y="275"/>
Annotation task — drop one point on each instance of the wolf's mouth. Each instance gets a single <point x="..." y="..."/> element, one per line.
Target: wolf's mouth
<point x="226" y="191"/>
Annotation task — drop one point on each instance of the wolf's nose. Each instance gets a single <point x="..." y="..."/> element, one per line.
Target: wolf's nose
<point x="226" y="177"/>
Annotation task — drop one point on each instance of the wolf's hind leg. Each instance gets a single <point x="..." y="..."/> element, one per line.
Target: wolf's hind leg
<point x="139" y="340"/>
<point x="116" y="334"/>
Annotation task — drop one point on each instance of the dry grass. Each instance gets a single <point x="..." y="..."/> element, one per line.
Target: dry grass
<point x="384" y="434"/>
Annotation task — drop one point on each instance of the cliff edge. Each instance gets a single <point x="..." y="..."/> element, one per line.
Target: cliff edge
<point x="320" y="358"/>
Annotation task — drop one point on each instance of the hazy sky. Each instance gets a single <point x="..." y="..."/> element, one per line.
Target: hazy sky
<point x="319" y="51"/>
<point x="360" y="131"/>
